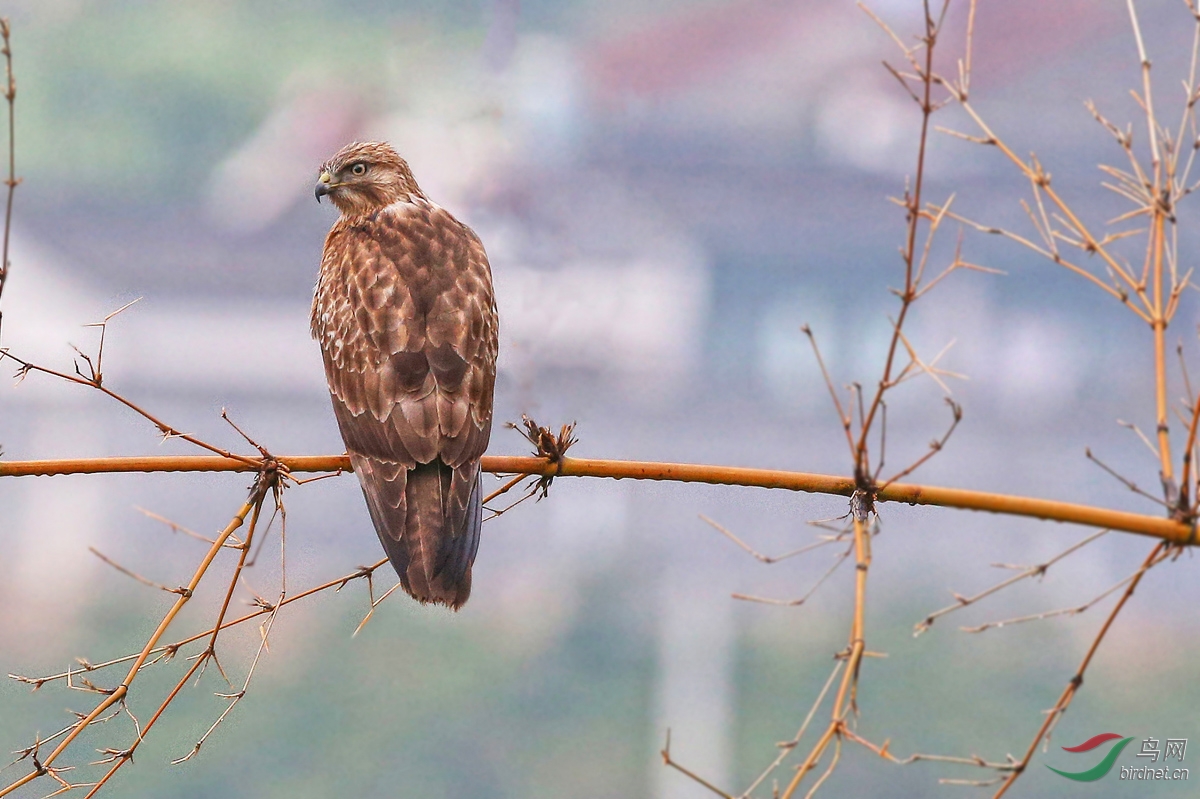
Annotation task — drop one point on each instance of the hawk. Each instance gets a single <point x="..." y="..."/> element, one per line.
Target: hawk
<point x="406" y="319"/>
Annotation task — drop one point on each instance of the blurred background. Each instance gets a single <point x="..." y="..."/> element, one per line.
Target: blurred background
<point x="667" y="190"/>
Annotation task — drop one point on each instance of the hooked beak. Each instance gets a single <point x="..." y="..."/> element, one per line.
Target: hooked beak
<point x="324" y="185"/>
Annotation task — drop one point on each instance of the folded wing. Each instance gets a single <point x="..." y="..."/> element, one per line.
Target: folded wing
<point x="406" y="319"/>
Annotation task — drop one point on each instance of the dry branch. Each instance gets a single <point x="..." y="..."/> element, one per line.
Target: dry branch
<point x="10" y="95"/>
<point x="1039" y="570"/>
<point x="117" y="695"/>
<point x="1073" y="685"/>
<point x="1170" y="530"/>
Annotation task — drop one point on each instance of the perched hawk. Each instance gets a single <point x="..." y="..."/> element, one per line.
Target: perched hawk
<point x="406" y="319"/>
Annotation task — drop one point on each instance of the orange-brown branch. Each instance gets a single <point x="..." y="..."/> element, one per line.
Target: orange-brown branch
<point x="1167" y="529"/>
<point x="119" y="693"/>
<point x="1075" y="682"/>
<point x="1159" y="325"/>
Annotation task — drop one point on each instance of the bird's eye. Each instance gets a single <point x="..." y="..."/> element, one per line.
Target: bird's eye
<point x="359" y="169"/>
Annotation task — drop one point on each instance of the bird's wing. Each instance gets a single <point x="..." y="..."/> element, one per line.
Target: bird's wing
<point x="406" y="318"/>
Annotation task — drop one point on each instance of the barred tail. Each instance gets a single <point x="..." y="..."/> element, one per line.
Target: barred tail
<point x="428" y="520"/>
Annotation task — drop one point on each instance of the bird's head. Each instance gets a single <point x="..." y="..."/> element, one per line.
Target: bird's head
<point x="364" y="177"/>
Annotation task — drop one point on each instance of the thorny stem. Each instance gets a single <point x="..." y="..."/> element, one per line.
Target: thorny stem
<point x="244" y="551"/>
<point x="268" y="479"/>
<point x="1155" y="309"/>
<point x="165" y="429"/>
<point x="336" y="584"/>
<point x="122" y="690"/>
<point x="1155" y="194"/>
<point x="199" y="661"/>
<point x="128" y="757"/>
<point x="1074" y="684"/>
<point x="913" y="208"/>
<point x="845" y="702"/>
<point x="810" y="762"/>
<point x="1037" y="570"/>
<point x="787" y="746"/>
<point x="1091" y="244"/>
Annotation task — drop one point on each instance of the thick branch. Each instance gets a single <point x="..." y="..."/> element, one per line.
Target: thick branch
<point x="1167" y="529"/>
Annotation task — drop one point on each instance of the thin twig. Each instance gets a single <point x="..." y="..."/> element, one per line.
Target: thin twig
<point x="1032" y="571"/>
<point x="769" y="559"/>
<point x="1132" y="486"/>
<point x="786" y="747"/>
<point x="667" y="761"/>
<point x="118" y="694"/>
<point x="791" y="603"/>
<point x="1064" y="700"/>
<point x="135" y="575"/>
<point x="10" y="95"/>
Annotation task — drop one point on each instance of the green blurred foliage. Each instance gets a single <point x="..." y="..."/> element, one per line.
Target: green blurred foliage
<point x="420" y="703"/>
<point x="143" y="98"/>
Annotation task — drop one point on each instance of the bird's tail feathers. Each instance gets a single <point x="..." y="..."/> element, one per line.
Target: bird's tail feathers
<point x="428" y="520"/>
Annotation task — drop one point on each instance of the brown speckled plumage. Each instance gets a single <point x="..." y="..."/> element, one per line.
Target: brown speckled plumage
<point x="406" y="319"/>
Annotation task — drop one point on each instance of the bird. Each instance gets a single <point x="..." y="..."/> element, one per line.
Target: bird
<point x="405" y="316"/>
